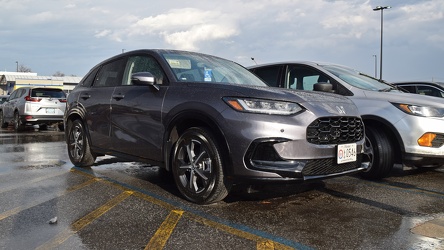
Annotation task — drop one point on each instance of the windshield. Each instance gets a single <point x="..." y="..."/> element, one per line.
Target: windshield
<point x="357" y="79"/>
<point x="193" y="67"/>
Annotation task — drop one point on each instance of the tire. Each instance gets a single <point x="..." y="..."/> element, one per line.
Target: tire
<point x="43" y="127"/>
<point x="61" y="126"/>
<point x="78" y="145"/>
<point x="379" y="151"/>
<point x="197" y="167"/>
<point x="18" y="123"/>
<point x="2" y="120"/>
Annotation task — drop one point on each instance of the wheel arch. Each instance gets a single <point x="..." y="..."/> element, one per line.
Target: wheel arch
<point x="188" y="119"/>
<point x="73" y="115"/>
<point x="392" y="133"/>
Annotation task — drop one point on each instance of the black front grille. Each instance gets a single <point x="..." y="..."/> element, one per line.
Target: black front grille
<point x="327" y="167"/>
<point x="335" y="130"/>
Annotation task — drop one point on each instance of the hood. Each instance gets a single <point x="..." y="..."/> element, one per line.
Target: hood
<point x="321" y="103"/>
<point x="406" y="98"/>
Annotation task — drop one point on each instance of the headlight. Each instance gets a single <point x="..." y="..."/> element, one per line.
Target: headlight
<point x="263" y="106"/>
<point x="420" y="110"/>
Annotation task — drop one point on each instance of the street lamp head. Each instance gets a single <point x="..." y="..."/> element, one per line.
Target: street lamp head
<point x="381" y="8"/>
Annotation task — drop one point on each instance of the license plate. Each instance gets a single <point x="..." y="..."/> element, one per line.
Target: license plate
<point x="346" y="153"/>
<point x="50" y="110"/>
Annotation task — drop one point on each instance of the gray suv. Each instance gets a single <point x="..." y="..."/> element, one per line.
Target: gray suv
<point x="209" y="121"/>
<point x="41" y="106"/>
<point x="400" y="127"/>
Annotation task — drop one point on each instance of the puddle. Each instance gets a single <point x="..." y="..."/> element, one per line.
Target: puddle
<point x="431" y="228"/>
<point x="42" y="165"/>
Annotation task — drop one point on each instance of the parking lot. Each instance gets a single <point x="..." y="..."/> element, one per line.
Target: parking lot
<point x="48" y="203"/>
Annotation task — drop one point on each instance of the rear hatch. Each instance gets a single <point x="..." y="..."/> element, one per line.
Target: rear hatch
<point x="46" y="101"/>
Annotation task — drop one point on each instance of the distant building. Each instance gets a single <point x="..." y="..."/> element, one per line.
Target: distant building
<point x="9" y="81"/>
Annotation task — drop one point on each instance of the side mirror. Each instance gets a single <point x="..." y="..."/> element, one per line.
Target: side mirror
<point x="323" y="87"/>
<point x="144" y="78"/>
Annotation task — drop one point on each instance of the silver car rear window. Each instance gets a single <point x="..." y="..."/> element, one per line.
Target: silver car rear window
<point x="49" y="93"/>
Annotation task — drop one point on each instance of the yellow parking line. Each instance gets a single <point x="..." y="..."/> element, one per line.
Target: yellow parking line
<point x="262" y="243"/>
<point x="18" y="209"/>
<point x="164" y="232"/>
<point x="270" y="245"/>
<point x="82" y="222"/>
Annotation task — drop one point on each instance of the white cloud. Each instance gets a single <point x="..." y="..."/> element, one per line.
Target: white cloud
<point x="102" y="33"/>
<point x="181" y="28"/>
<point x="428" y="11"/>
<point x="188" y="40"/>
<point x="345" y="32"/>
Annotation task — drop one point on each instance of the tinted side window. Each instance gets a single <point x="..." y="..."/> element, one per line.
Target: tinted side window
<point x="270" y="75"/>
<point x="137" y="64"/>
<point x="429" y="90"/>
<point x="18" y="93"/>
<point x="89" y="79"/>
<point x="411" y="89"/>
<point x="13" y="95"/>
<point x="304" y="78"/>
<point x="110" y="74"/>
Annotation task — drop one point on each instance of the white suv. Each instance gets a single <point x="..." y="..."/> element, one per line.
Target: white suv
<point x="41" y="106"/>
<point x="399" y="127"/>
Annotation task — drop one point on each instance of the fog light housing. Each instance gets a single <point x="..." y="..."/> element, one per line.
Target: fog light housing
<point x="431" y="140"/>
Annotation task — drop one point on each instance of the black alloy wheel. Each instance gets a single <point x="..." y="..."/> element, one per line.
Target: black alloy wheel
<point x="197" y="167"/>
<point x="78" y="145"/>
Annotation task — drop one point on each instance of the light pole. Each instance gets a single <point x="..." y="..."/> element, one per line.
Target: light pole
<point x="376" y="65"/>
<point x="381" y="8"/>
<point x="17" y="66"/>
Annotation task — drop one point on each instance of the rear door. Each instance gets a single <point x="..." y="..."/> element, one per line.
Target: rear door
<point x="96" y="100"/>
<point x="11" y="104"/>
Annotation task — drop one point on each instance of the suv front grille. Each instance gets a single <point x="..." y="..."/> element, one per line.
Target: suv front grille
<point x="335" y="130"/>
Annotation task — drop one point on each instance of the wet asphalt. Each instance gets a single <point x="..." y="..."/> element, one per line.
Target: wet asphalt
<point x="47" y="203"/>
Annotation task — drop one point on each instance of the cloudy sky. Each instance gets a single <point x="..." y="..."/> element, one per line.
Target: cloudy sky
<point x="71" y="36"/>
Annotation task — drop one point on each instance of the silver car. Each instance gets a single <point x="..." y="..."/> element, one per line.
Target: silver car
<point x="41" y="106"/>
<point x="400" y="127"/>
<point x="209" y="121"/>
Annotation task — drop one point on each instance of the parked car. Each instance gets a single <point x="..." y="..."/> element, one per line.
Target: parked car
<point x="209" y="121"/>
<point x="400" y="127"/>
<point x="3" y="98"/>
<point x="423" y="87"/>
<point x="41" y="106"/>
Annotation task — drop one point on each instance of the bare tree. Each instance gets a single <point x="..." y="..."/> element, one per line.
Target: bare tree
<point x="23" y="68"/>
<point x="58" y="73"/>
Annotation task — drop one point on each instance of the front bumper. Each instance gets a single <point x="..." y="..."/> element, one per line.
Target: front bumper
<point x="411" y="128"/>
<point x="423" y="160"/>
<point x="280" y="151"/>
<point x="262" y="156"/>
